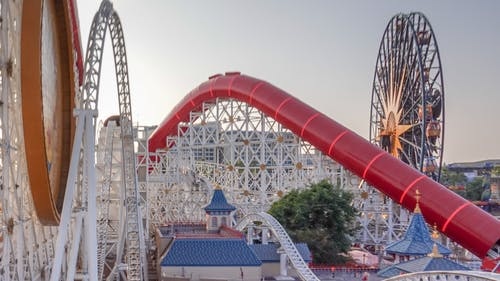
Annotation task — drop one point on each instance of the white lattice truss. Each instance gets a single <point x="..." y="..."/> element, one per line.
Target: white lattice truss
<point x="130" y="238"/>
<point x="255" y="160"/>
<point x="110" y="215"/>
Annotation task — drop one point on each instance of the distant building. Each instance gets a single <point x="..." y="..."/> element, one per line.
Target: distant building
<point x="478" y="168"/>
<point x="488" y="171"/>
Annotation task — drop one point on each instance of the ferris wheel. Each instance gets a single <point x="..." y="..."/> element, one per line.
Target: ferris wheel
<point x="48" y="208"/>
<point x="407" y="105"/>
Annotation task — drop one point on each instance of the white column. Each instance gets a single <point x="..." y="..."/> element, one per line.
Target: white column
<point x="250" y="234"/>
<point x="283" y="262"/>
<point x="283" y="269"/>
<point x="62" y="234"/>
<point x="265" y="234"/>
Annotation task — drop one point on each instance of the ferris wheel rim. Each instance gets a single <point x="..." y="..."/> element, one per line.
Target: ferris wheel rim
<point x="21" y="225"/>
<point x="47" y="105"/>
<point x="442" y="88"/>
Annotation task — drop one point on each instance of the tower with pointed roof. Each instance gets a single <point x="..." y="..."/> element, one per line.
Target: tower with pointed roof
<point x="416" y="241"/>
<point x="218" y="211"/>
<point x="418" y="250"/>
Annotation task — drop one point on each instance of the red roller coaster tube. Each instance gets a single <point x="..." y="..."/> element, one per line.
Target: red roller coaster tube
<point x="77" y="45"/>
<point x="457" y="218"/>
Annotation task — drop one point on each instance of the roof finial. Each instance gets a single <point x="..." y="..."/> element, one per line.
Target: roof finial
<point x="435" y="252"/>
<point x="417" y="206"/>
<point x="435" y="233"/>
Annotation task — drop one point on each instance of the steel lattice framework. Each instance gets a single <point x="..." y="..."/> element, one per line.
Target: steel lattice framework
<point x="254" y="159"/>
<point x="230" y="144"/>
<point x="106" y="18"/>
<point x="110" y="215"/>
<point x="373" y="164"/>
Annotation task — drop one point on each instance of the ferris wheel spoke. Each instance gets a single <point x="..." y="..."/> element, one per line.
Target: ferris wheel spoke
<point x="381" y="99"/>
<point x="434" y="79"/>
<point x="384" y="64"/>
<point x="403" y="48"/>
<point x="411" y="77"/>
<point x="412" y="143"/>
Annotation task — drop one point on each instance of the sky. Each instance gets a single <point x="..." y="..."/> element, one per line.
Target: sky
<point x="322" y="52"/>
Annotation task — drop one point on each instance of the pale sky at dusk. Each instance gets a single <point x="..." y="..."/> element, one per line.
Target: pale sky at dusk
<point x="322" y="52"/>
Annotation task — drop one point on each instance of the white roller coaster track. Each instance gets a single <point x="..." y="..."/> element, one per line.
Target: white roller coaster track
<point x="106" y="18"/>
<point x="291" y="251"/>
<point x="82" y="169"/>
<point x="103" y="199"/>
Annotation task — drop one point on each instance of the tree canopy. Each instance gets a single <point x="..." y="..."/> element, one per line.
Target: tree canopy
<point x="321" y="216"/>
<point x="451" y="178"/>
<point x="475" y="190"/>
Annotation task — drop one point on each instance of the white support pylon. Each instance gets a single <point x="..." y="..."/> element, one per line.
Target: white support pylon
<point x="83" y="149"/>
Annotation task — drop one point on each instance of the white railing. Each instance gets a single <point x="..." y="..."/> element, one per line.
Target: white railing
<point x="447" y="276"/>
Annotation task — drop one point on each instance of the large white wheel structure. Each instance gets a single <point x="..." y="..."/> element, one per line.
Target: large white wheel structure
<point x="64" y="241"/>
<point x="26" y="245"/>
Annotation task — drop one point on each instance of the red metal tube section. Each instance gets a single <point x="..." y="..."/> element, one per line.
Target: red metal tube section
<point x="76" y="40"/>
<point x="457" y="218"/>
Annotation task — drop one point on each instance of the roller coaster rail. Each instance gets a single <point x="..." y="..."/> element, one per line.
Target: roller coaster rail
<point x="286" y="242"/>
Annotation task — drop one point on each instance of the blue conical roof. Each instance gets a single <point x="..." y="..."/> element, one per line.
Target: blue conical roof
<point x="416" y="241"/>
<point x="219" y="203"/>
<point x="427" y="263"/>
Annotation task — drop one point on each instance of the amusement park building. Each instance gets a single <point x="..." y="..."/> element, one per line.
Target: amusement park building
<point x="212" y="250"/>
<point x="417" y="251"/>
<point x="478" y="167"/>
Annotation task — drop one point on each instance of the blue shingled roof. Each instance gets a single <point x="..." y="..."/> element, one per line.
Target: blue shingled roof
<point x="219" y="203"/>
<point x="268" y="252"/>
<point x="210" y="252"/>
<point x="416" y="241"/>
<point x="426" y="263"/>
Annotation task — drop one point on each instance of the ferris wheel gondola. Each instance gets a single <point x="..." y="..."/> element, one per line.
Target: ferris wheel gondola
<point x="407" y="105"/>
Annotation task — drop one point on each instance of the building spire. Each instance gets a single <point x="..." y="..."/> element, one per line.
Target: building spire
<point x="417" y="206"/>
<point x="435" y="233"/>
<point x="435" y="252"/>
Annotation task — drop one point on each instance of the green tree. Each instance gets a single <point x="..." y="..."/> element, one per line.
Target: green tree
<point x="321" y="216"/>
<point x="474" y="189"/>
<point x="495" y="171"/>
<point x="450" y="178"/>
